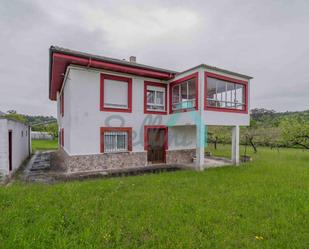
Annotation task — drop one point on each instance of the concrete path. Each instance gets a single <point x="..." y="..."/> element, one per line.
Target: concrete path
<point x="39" y="168"/>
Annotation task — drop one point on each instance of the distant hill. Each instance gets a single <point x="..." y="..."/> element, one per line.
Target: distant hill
<point x="270" y="118"/>
<point x="39" y="119"/>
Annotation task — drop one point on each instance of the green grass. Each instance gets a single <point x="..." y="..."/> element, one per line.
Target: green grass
<point x="44" y="145"/>
<point x="217" y="208"/>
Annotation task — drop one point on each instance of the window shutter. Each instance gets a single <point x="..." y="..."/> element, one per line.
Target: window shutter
<point x="115" y="94"/>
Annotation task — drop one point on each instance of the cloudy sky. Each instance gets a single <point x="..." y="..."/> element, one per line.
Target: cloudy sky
<point x="268" y="40"/>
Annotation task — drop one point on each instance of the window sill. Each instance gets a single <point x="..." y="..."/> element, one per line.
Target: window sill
<point x="223" y="109"/>
<point x="183" y="110"/>
<point x="155" y="112"/>
<point x="108" y="109"/>
<point x="117" y="152"/>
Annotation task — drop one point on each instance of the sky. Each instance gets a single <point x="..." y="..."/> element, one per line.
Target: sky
<point x="268" y="40"/>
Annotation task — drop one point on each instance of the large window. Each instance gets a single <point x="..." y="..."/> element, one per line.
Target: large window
<point x="225" y="94"/>
<point x="155" y="98"/>
<point x="115" y="140"/>
<point x="116" y="93"/>
<point x="184" y="94"/>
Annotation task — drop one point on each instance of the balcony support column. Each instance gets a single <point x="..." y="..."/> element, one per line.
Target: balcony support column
<point x="235" y="145"/>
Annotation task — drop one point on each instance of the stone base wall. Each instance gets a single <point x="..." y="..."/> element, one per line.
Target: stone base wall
<point x="100" y="162"/>
<point x="179" y="156"/>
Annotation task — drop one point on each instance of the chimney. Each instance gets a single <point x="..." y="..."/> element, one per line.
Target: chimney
<point x="132" y="59"/>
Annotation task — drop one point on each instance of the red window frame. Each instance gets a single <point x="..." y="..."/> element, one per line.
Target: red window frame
<point x="179" y="81"/>
<point x="62" y="104"/>
<point x="62" y="137"/>
<point x="229" y="79"/>
<point x="108" y="129"/>
<point x="149" y="83"/>
<point x="117" y="78"/>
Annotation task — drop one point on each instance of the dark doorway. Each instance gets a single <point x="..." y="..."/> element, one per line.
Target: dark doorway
<point x="10" y="151"/>
<point x="156" y="145"/>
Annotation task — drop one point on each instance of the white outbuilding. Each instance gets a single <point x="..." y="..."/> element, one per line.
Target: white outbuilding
<point x="15" y="145"/>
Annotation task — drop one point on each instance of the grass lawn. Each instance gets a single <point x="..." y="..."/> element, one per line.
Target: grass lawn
<point x="263" y="204"/>
<point x="44" y="145"/>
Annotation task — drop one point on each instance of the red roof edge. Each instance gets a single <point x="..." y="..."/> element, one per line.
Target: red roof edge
<point x="60" y="61"/>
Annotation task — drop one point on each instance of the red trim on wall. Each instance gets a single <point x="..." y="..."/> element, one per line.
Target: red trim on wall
<point x="62" y="104"/>
<point x="60" y="62"/>
<point x="62" y="137"/>
<point x="149" y="83"/>
<point x="117" y="78"/>
<point x="105" y="129"/>
<point x="229" y="79"/>
<point x="179" y="81"/>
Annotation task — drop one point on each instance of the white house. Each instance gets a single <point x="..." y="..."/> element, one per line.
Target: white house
<point x="115" y="113"/>
<point x="15" y="145"/>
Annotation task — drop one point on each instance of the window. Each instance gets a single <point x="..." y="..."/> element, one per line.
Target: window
<point x="116" y="139"/>
<point x="116" y="93"/>
<point x="225" y="93"/>
<point x="155" y="98"/>
<point x="184" y="93"/>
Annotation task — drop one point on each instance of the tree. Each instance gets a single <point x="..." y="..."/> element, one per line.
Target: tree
<point x="295" y="132"/>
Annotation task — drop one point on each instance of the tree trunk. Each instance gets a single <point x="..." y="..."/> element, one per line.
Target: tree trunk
<point x="252" y="144"/>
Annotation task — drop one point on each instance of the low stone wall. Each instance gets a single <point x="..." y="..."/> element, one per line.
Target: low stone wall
<point x="106" y="161"/>
<point x="179" y="156"/>
<point x="100" y="162"/>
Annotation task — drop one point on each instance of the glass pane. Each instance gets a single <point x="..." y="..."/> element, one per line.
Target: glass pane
<point x="230" y="87"/>
<point x="240" y="97"/>
<point x="109" y="141"/>
<point x="211" y="92"/>
<point x="184" y="91"/>
<point x="160" y="98"/>
<point x="175" y="93"/>
<point x="151" y="97"/>
<point x="121" y="141"/>
<point x="191" y="86"/>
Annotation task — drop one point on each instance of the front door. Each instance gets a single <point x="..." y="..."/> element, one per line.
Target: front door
<point x="10" y="151"/>
<point x="156" y="145"/>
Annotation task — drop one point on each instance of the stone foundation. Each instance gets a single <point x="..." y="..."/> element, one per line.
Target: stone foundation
<point x="100" y="162"/>
<point x="179" y="156"/>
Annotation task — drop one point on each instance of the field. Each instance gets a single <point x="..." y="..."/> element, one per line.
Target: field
<point x="263" y="204"/>
<point x="44" y="145"/>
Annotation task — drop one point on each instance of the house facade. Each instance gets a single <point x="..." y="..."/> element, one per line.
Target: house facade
<point x="120" y="114"/>
<point x="15" y="145"/>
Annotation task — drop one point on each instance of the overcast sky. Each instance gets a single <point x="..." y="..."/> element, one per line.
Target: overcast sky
<point x="268" y="40"/>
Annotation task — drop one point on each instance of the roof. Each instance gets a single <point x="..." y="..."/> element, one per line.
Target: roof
<point x="13" y="120"/>
<point x="61" y="58"/>
<point x="218" y="70"/>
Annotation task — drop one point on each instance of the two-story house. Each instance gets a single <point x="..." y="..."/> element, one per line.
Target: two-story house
<point x="117" y="114"/>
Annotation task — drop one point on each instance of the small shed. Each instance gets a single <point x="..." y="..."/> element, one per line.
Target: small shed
<point x="15" y="145"/>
